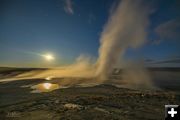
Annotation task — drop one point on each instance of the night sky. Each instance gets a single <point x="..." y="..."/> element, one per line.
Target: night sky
<point x="69" y="28"/>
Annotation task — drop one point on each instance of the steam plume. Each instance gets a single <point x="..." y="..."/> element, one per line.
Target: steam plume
<point x="125" y="28"/>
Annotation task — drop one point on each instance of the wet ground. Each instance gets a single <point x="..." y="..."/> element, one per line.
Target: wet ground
<point x="89" y="103"/>
<point x="38" y="99"/>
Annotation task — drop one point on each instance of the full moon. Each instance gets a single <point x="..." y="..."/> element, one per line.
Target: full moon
<point x="49" y="57"/>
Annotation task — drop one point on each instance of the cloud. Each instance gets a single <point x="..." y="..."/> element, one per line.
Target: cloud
<point x="168" y="30"/>
<point x="68" y="7"/>
<point x="168" y="61"/>
<point x="148" y="60"/>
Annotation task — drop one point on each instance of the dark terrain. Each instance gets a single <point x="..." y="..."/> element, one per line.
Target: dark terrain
<point x="101" y="102"/>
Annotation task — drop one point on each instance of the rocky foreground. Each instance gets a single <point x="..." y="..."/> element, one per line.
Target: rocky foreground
<point x="102" y="102"/>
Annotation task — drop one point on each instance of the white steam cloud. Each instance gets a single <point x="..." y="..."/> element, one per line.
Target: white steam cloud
<point x="68" y="7"/>
<point x="125" y="28"/>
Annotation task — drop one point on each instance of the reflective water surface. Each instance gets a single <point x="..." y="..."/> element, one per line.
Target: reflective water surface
<point x="44" y="87"/>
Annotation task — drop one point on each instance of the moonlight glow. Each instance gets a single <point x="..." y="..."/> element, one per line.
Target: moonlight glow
<point x="49" y="57"/>
<point x="47" y="85"/>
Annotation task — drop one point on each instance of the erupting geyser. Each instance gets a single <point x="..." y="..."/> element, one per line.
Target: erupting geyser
<point x="126" y="28"/>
